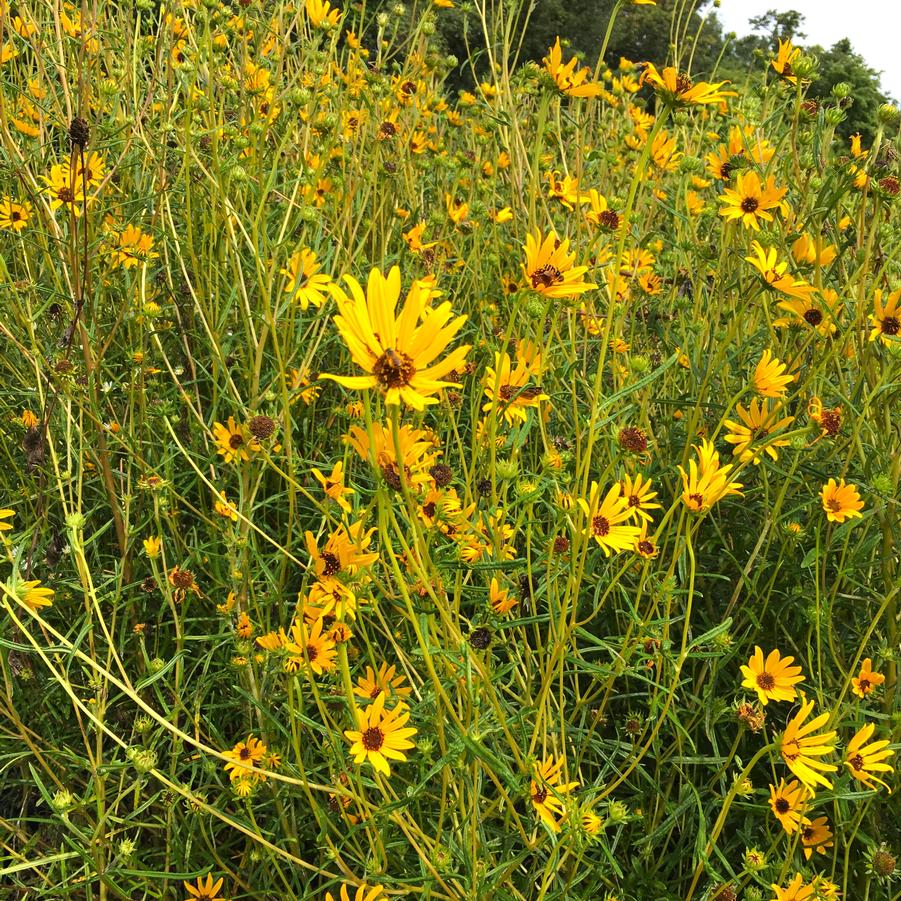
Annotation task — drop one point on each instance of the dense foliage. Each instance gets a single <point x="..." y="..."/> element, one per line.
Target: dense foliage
<point x="422" y="492"/>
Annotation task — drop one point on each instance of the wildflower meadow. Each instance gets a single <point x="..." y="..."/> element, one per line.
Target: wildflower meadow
<point x="440" y="475"/>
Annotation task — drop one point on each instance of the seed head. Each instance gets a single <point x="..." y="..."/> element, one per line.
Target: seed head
<point x="79" y="132"/>
<point x="261" y="427"/>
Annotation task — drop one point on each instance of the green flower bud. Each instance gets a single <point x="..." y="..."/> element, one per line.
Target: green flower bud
<point x="888" y="114"/>
<point x="617" y="813"/>
<point x="62" y="801"/>
<point x="442" y="858"/>
<point x="127" y="847"/>
<point x="527" y="490"/>
<point x="142" y="759"/>
<point x="806" y="65"/>
<point x="507" y="470"/>
<point x="143" y="724"/>
<point x="841" y="90"/>
<point x="75" y="522"/>
<point x="882" y="484"/>
<point x="755" y="860"/>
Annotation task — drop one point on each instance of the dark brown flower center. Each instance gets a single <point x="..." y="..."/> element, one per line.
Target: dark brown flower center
<point x="235" y="440"/>
<point x="782" y="806"/>
<point x="807" y="833"/>
<point x="856" y="762"/>
<point x="766" y="681"/>
<point x="600" y="525"/>
<point x="393" y="369"/>
<point x="813" y="317"/>
<point x="373" y="739"/>
<point x="540" y="795"/>
<point x="833" y="505"/>
<point x="331" y="564"/>
<point x="864" y="685"/>
<point x="312" y="652"/>
<point x="244" y="753"/>
<point x="831" y="422"/>
<point x="749" y="204"/>
<point x="609" y="219"/>
<point x="697" y="499"/>
<point x="632" y="438"/>
<point x="683" y="83"/>
<point x="546" y="277"/>
<point x="646" y="547"/>
<point x="891" y="325"/>
<point x="182" y="578"/>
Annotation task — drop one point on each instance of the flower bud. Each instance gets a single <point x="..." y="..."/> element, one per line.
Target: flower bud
<point x="841" y="90"/>
<point x="888" y="114"/>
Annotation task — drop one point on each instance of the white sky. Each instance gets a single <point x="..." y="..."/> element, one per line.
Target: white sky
<point x="873" y="27"/>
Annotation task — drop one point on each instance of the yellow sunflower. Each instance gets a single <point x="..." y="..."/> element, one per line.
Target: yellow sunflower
<point x="14" y="215"/>
<point x="570" y="80"/>
<point x="750" y="200"/>
<point x="707" y="481"/>
<point x="608" y="519"/>
<point x="374" y="683"/>
<point x="242" y="757"/>
<point x="866" y="680"/>
<point x="381" y="735"/>
<point x="235" y="442"/>
<point x="816" y="836"/>
<point x="864" y="759"/>
<point x="550" y="268"/>
<point x="840" y="501"/>
<point x="801" y="748"/>
<point x="204" y="889"/>
<point x="547" y="791"/>
<point x="752" y="437"/>
<point x="796" y="890"/>
<point x="771" y="376"/>
<point x="507" y="388"/>
<point x="676" y="88"/>
<point x="397" y="352"/>
<point x="787" y="801"/>
<point x="774" y="273"/>
<point x="309" y="647"/>
<point x="364" y="892"/>
<point x="773" y="679"/>
<point x="306" y="284"/>
<point x="886" y="318"/>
